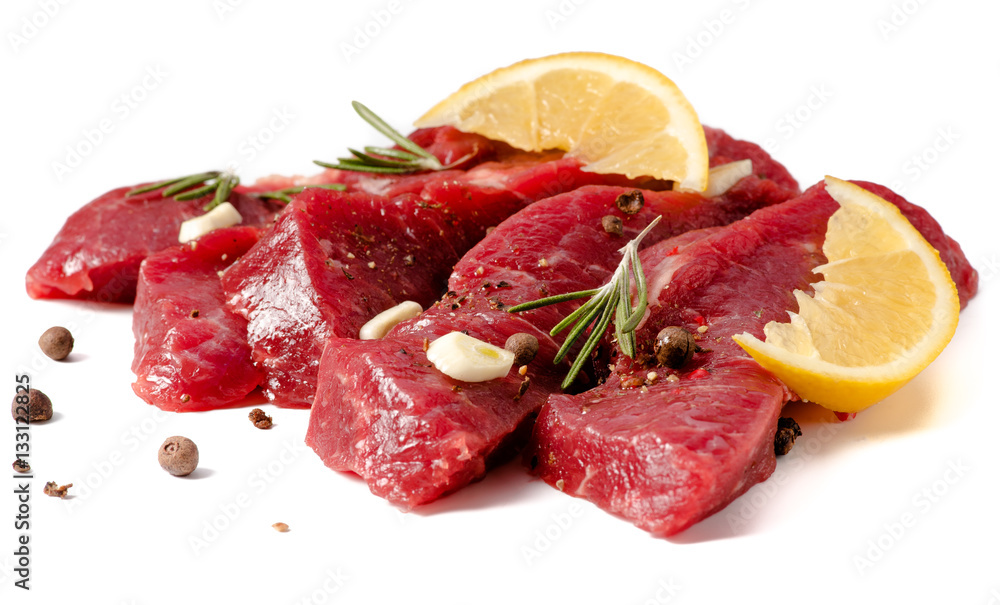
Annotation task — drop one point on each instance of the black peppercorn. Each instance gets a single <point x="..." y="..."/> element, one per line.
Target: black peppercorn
<point x="524" y="347"/>
<point x="178" y="456"/>
<point x="37" y="409"/>
<point x="788" y="430"/>
<point x="631" y="202"/>
<point x="612" y="225"/>
<point x="56" y="342"/>
<point x="674" y="347"/>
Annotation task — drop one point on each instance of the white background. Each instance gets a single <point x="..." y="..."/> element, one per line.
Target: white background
<point x="873" y="84"/>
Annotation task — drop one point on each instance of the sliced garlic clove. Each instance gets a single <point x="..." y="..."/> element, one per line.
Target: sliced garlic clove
<point x="379" y="326"/>
<point x="469" y="359"/>
<point x="223" y="215"/>
<point x="722" y="178"/>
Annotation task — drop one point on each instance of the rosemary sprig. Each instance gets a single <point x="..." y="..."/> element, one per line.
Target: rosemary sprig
<point x="285" y="195"/>
<point x="613" y="299"/>
<point x="222" y="183"/>
<point x="384" y="160"/>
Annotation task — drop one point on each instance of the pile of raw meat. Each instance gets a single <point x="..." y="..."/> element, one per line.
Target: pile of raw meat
<point x="277" y="304"/>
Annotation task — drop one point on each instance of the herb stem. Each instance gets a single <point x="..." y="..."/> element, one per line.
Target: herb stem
<point x="612" y="300"/>
<point x="383" y="160"/>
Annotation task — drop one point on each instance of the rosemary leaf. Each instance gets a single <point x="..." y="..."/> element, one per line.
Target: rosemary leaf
<point x="551" y="300"/>
<point x="612" y="300"/>
<point x="380" y="125"/>
<point x="190" y="181"/>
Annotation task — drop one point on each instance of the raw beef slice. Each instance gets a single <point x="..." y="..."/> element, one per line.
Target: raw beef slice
<point x="96" y="254"/>
<point x="672" y="451"/>
<point x="191" y="351"/>
<point x="336" y="259"/>
<point x="414" y="434"/>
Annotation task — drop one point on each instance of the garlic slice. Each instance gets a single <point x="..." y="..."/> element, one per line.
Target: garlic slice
<point x="379" y="326"/>
<point x="223" y="215"/>
<point x="469" y="359"/>
<point x="722" y="178"/>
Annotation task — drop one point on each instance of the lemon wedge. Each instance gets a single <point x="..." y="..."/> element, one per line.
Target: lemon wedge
<point x="613" y="114"/>
<point x="886" y="308"/>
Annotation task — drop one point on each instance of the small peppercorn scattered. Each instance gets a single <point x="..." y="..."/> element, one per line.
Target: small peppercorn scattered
<point x="613" y="225"/>
<point x="788" y="430"/>
<point x="282" y="527"/>
<point x="178" y="456"/>
<point x="674" y="347"/>
<point x="195" y="313"/>
<point x="631" y="202"/>
<point x="56" y="342"/>
<point x="38" y="408"/>
<point x="524" y="346"/>
<point x="260" y="419"/>
<point x="21" y="466"/>
<point x="55" y="490"/>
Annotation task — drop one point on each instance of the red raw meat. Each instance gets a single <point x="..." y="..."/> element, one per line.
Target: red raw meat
<point x="191" y="352"/>
<point x="96" y="254"/>
<point x="336" y="259"/>
<point x="669" y="454"/>
<point x="414" y="434"/>
<point x="445" y="214"/>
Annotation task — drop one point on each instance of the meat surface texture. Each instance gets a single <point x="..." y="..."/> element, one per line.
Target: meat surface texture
<point x="414" y="434"/>
<point x="96" y="254"/>
<point x="191" y="351"/>
<point x="331" y="263"/>
<point x="667" y="452"/>
<point x="336" y="259"/>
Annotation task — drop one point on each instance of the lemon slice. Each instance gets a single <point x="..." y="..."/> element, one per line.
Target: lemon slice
<point x="886" y="308"/>
<point x="463" y="357"/>
<point x="613" y="114"/>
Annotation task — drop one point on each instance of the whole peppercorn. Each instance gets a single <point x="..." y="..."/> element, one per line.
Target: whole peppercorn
<point x="631" y="202"/>
<point x="38" y="407"/>
<point x="674" y="347"/>
<point x="56" y="342"/>
<point x="21" y="466"/>
<point x="178" y="456"/>
<point x="612" y="225"/>
<point x="785" y="436"/>
<point x="524" y="347"/>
